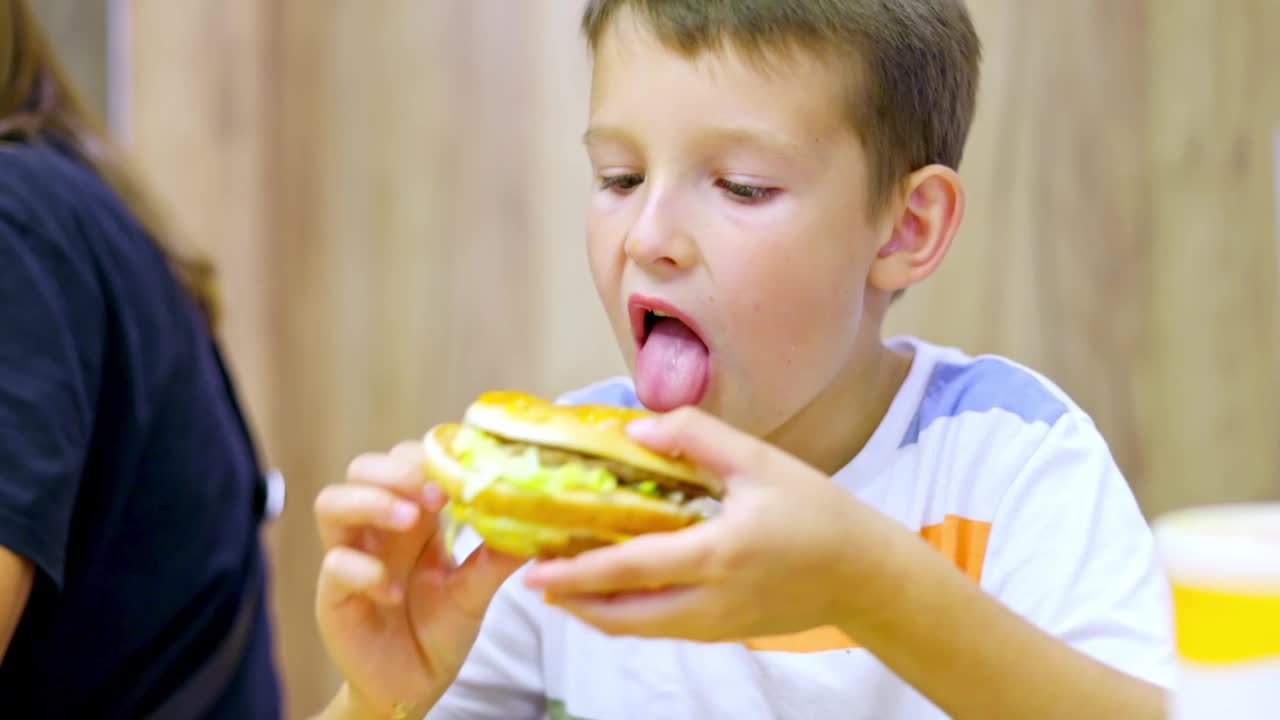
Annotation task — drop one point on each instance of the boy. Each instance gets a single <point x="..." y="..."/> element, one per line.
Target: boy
<point x="907" y="531"/>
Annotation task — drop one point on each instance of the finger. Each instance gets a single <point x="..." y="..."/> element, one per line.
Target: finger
<point x="646" y="562"/>
<point x="398" y="472"/>
<point x="674" y="612"/>
<point x="433" y="498"/>
<point x="705" y="440"/>
<point x="408" y="452"/>
<point x="340" y="508"/>
<point x="411" y="454"/>
<point x="471" y="586"/>
<point x="480" y="576"/>
<point x="346" y="573"/>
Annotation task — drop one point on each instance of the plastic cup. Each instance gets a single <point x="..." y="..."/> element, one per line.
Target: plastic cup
<point x="1223" y="562"/>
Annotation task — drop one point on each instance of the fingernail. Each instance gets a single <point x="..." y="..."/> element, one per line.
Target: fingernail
<point x="395" y="592"/>
<point x="404" y="514"/>
<point x="433" y="496"/>
<point x="536" y="576"/>
<point x="642" y="426"/>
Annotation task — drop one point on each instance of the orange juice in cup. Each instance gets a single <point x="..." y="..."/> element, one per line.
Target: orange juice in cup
<point x="1224" y="566"/>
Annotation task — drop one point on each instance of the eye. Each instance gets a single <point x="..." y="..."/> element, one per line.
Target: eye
<point x="745" y="193"/>
<point x="621" y="183"/>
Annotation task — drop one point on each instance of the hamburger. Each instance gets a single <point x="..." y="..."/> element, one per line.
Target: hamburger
<point x="537" y="479"/>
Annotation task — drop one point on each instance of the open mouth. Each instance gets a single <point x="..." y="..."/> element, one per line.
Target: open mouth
<point x="646" y="313"/>
<point x="673" y="362"/>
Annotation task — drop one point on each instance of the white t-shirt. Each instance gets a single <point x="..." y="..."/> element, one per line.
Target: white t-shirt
<point x="988" y="460"/>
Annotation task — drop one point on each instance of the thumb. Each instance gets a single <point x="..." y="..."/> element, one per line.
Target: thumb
<point x="479" y="577"/>
<point x="708" y="442"/>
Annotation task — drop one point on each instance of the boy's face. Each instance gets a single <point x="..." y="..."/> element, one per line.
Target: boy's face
<point x="735" y="200"/>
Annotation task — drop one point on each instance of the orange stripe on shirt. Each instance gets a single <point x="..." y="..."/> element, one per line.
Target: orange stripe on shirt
<point x="960" y="540"/>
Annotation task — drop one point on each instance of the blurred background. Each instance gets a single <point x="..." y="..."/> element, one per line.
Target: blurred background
<point x="394" y="192"/>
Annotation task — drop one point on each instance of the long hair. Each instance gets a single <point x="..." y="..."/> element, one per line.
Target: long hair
<point x="38" y="99"/>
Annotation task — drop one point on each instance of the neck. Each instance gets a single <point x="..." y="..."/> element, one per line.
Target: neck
<point x="836" y="425"/>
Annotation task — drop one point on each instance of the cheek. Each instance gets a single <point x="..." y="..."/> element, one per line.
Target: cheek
<point x="815" y="320"/>
<point x="605" y="259"/>
<point x="602" y="251"/>
<point x="800" y="315"/>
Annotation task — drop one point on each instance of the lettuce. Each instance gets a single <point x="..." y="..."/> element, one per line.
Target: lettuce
<point x="486" y="458"/>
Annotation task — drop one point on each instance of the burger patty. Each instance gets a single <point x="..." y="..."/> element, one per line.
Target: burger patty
<point x="626" y="474"/>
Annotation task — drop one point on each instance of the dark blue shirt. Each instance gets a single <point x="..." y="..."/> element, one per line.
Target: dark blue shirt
<point x="124" y="475"/>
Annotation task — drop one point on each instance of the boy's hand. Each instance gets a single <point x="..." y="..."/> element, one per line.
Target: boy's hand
<point x="395" y="613"/>
<point x="789" y="551"/>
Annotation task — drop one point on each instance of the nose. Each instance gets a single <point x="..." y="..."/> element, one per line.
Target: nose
<point x="659" y="239"/>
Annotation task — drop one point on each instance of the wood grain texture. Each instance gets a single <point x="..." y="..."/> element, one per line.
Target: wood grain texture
<point x="199" y="135"/>
<point x="396" y="193"/>
<point x="1212" y="370"/>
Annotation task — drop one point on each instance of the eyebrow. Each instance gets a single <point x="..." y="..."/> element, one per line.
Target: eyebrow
<point x="764" y="140"/>
<point x="606" y="132"/>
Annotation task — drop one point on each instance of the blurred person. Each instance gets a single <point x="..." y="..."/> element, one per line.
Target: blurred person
<point x="132" y="579"/>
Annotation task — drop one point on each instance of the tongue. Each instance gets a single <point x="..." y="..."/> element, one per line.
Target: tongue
<point x="672" y="367"/>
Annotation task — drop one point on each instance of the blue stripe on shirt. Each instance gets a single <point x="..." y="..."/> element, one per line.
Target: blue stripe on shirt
<point x="615" y="391"/>
<point x="983" y="385"/>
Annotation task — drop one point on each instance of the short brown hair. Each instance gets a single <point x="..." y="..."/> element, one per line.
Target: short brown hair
<point x="913" y="63"/>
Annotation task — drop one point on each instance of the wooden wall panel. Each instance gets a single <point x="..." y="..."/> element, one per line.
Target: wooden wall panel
<point x="198" y="128"/>
<point x="1212" y="370"/>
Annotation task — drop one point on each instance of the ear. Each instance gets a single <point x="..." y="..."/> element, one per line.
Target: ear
<point x="922" y="231"/>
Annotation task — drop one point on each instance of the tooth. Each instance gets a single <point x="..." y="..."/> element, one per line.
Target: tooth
<point x="659" y="313"/>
